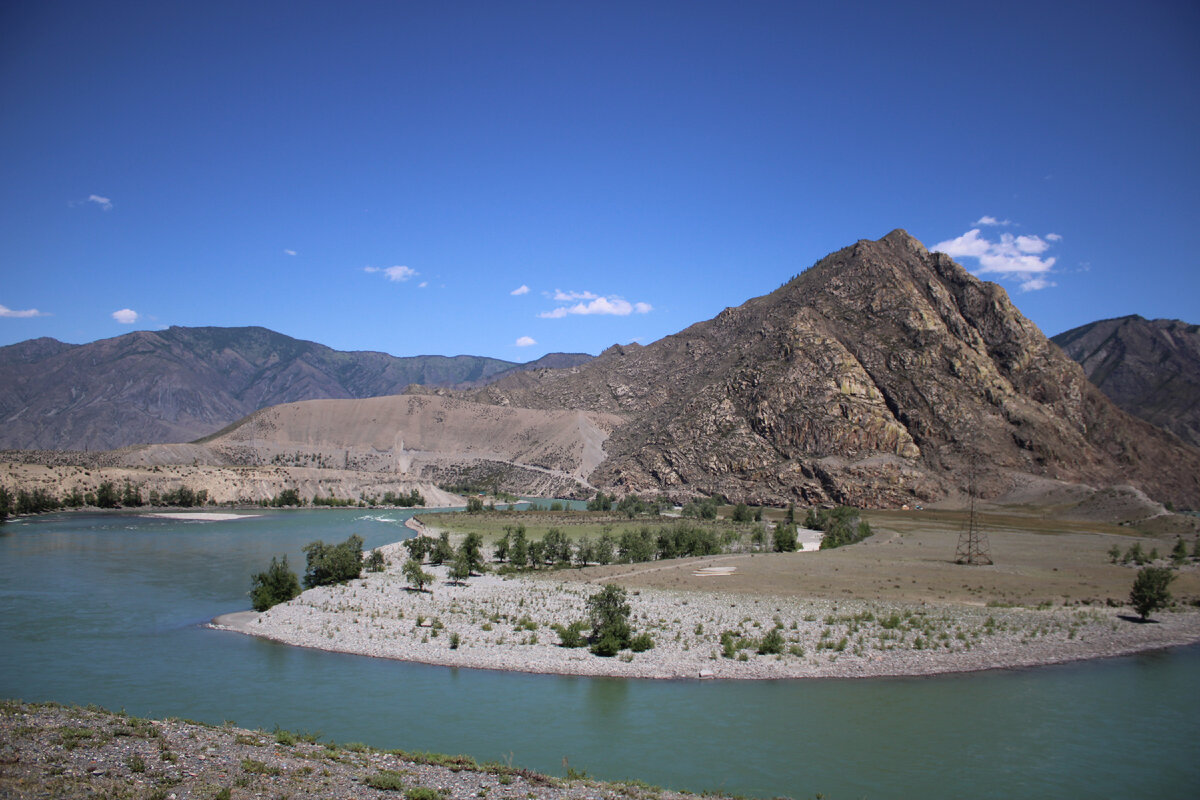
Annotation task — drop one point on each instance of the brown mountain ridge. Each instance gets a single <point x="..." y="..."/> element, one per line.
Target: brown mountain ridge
<point x="875" y="377"/>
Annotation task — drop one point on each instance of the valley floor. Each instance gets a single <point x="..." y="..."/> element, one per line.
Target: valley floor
<point x="495" y="622"/>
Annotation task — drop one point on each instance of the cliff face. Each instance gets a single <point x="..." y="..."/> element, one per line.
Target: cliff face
<point x="871" y="378"/>
<point x="182" y="383"/>
<point x="1150" y="368"/>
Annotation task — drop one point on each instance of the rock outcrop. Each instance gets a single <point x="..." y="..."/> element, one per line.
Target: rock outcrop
<point x="875" y="377"/>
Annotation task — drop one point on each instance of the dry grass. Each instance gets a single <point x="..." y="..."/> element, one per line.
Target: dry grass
<point x="910" y="559"/>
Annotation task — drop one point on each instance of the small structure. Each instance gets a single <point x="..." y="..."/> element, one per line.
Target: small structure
<point x="973" y="544"/>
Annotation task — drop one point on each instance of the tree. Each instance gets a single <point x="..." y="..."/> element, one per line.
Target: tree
<point x="460" y="568"/>
<point x="601" y="502"/>
<point x="442" y="550"/>
<point x="609" y="615"/>
<point x="474" y="505"/>
<point x="415" y="575"/>
<point x="785" y="538"/>
<point x="418" y="547"/>
<point x="585" y="552"/>
<point x="132" y="496"/>
<point x="1149" y="592"/>
<point x="471" y="551"/>
<point x="504" y="543"/>
<point x="519" y="552"/>
<point x="741" y="513"/>
<point x="106" y="495"/>
<point x="603" y="552"/>
<point x="5" y="504"/>
<point x="277" y="585"/>
<point x="376" y="562"/>
<point x="333" y="563"/>
<point x="1179" y="551"/>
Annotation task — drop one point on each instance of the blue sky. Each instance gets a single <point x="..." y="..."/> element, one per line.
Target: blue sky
<point x="512" y="178"/>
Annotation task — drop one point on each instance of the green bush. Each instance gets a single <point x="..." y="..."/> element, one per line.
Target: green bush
<point x="571" y="635"/>
<point x="772" y="643"/>
<point x="785" y="538"/>
<point x="330" y="564"/>
<point x="641" y="643"/>
<point x="1150" y="592"/>
<point x="277" y="585"/>
<point x="386" y="780"/>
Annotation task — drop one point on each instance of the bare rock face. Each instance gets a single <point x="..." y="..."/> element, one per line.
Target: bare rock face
<point x="872" y="378"/>
<point x="1150" y="368"/>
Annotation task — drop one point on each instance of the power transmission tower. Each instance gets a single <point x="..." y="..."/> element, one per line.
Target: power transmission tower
<point x="973" y="544"/>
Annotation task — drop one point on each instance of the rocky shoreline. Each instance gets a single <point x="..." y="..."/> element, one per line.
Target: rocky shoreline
<point x="51" y="752"/>
<point x="495" y="622"/>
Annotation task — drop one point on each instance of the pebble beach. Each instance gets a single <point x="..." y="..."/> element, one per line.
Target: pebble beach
<point x="505" y="622"/>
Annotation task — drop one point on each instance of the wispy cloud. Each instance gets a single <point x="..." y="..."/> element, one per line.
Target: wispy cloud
<point x="103" y="202"/>
<point x="520" y="290"/>
<point x="290" y="252"/>
<point x="397" y="273"/>
<point x="423" y="285"/>
<point x="986" y="220"/>
<point x="525" y="341"/>
<point x="126" y="316"/>
<point x="590" y="303"/>
<point x="1015" y="257"/>
<point x="13" y="313"/>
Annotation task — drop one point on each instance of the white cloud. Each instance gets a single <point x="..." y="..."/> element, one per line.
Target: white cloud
<point x="126" y="316"/>
<point x="290" y="252"/>
<point x="422" y="284"/>
<point x="987" y="220"/>
<point x="525" y="341"/>
<point x="520" y="290"/>
<point x="397" y="273"/>
<point x="12" y="313"/>
<point x="612" y="304"/>
<point x="565" y="297"/>
<point x="103" y="202"/>
<point x="1016" y="257"/>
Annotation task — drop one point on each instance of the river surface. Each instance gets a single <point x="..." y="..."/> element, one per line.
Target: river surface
<point x="109" y="609"/>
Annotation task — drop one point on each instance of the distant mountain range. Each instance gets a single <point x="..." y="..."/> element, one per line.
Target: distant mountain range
<point x="1150" y="368"/>
<point x="183" y="383"/>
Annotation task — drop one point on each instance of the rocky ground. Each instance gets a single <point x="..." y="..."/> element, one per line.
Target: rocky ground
<point x="496" y="622"/>
<point x="50" y="752"/>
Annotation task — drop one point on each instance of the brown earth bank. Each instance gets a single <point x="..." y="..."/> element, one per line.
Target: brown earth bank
<point x="52" y="752"/>
<point x="224" y="485"/>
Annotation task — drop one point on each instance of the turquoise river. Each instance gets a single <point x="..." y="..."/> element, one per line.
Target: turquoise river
<point x="110" y="609"/>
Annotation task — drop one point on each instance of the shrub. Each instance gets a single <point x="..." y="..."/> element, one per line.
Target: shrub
<point x="376" y="562"/>
<point x="385" y="780"/>
<point x="641" y="643"/>
<point x="277" y="585"/>
<point x="571" y="635"/>
<point x="785" y="538"/>
<point x="610" y="620"/>
<point x="772" y="643"/>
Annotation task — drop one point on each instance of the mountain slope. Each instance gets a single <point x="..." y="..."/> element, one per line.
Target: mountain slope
<point x="181" y="383"/>
<point x="874" y="377"/>
<point x="1150" y="368"/>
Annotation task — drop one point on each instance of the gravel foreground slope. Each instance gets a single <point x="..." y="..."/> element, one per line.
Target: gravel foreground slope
<point x="49" y="752"/>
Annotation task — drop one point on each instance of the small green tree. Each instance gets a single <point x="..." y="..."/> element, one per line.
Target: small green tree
<point x="277" y="585"/>
<point x="415" y="575"/>
<point x="505" y="542"/>
<point x="460" y="568"/>
<point x="785" y="538"/>
<point x="518" y="554"/>
<point x="132" y="496"/>
<point x="471" y="551"/>
<point x="333" y="563"/>
<point x="6" y="504"/>
<point x="609" y="614"/>
<point x="418" y="547"/>
<point x="741" y="513"/>
<point x="1179" y="552"/>
<point x="1150" y="590"/>
<point x="106" y="495"/>
<point x="376" y="562"/>
<point x="1114" y="553"/>
<point x="442" y="550"/>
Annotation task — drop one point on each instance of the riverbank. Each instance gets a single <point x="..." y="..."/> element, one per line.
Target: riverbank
<point x="494" y="622"/>
<point x="56" y="752"/>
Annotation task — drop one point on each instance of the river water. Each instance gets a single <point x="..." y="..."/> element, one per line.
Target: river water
<point x="109" y="609"/>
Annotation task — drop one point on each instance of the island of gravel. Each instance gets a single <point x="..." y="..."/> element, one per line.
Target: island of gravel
<point x="504" y="622"/>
